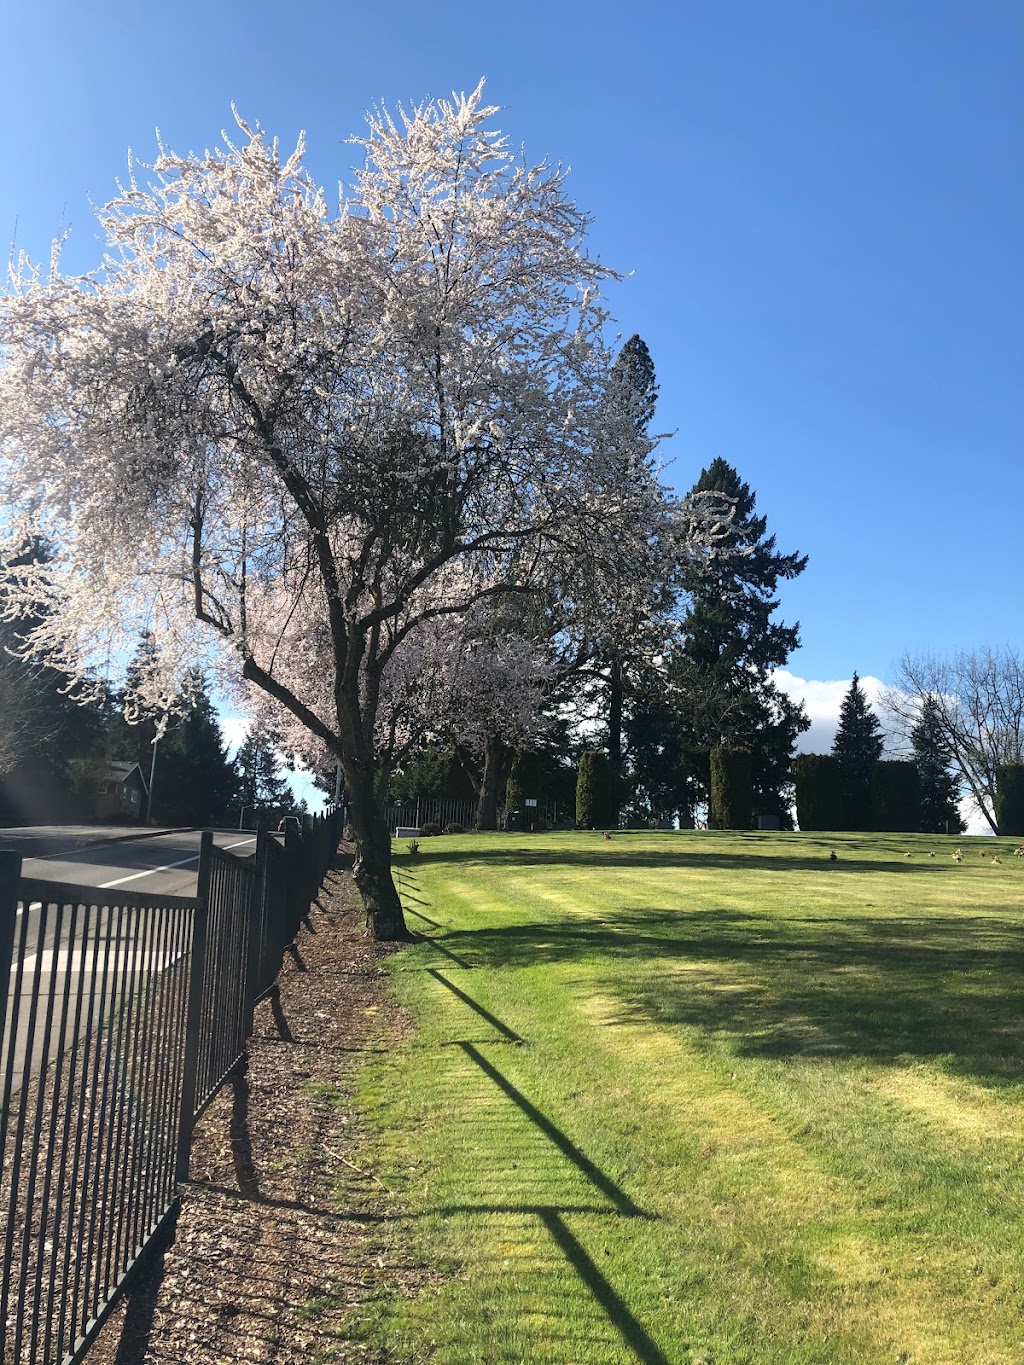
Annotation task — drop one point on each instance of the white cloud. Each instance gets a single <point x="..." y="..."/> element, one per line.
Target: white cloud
<point x="822" y="700"/>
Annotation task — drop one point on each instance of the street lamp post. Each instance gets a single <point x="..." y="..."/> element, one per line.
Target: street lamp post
<point x="152" y="775"/>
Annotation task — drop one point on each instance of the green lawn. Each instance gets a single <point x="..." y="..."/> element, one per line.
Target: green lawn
<point x="706" y="1097"/>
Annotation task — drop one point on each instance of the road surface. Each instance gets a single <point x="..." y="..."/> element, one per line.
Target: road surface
<point x="108" y="859"/>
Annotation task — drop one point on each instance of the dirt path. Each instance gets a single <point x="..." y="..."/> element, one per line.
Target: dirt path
<point x="282" y="1233"/>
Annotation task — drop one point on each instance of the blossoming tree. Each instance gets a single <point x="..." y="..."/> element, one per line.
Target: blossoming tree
<point x="259" y="412"/>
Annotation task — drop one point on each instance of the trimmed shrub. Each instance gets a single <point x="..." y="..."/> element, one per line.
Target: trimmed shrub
<point x="523" y="782"/>
<point x="430" y="828"/>
<point x="594" y="807"/>
<point x="1010" y="799"/>
<point x="895" y="796"/>
<point x="732" y="788"/>
<point x="453" y="827"/>
<point x="819" y="802"/>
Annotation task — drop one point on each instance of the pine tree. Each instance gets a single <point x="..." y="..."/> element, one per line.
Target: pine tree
<point x="633" y="385"/>
<point x="195" y="782"/>
<point x="717" y="681"/>
<point x="856" y="747"/>
<point x="633" y="391"/>
<point x="47" y="740"/>
<point x="940" y="813"/>
<point x="261" y="792"/>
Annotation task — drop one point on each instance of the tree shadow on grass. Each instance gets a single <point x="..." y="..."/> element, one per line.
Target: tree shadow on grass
<point x="810" y="855"/>
<point x="889" y="988"/>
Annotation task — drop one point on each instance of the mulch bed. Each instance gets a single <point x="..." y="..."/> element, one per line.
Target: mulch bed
<point x="283" y="1233"/>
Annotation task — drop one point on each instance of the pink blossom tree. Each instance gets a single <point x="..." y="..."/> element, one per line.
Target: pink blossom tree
<point x="259" y="413"/>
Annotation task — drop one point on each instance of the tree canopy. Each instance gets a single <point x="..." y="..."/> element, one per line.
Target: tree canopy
<point x="283" y="439"/>
<point x="713" y="685"/>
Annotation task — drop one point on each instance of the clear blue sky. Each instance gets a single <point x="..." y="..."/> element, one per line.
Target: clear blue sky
<point x="822" y="204"/>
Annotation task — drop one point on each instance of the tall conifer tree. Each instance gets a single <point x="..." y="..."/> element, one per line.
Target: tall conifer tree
<point x="716" y="686"/>
<point x="857" y="745"/>
<point x="940" y="813"/>
<point x="261" y="791"/>
<point x="633" y="389"/>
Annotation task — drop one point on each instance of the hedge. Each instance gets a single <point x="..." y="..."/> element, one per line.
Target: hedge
<point x="594" y="803"/>
<point x="895" y="796"/>
<point x="523" y="782"/>
<point x="819" y="800"/>
<point x="1010" y="799"/>
<point x="732" y="789"/>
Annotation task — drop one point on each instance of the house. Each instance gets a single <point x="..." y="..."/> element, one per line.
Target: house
<point x="119" y="793"/>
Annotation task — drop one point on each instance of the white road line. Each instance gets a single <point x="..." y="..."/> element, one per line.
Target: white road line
<point x="105" y="886"/>
<point x="37" y="905"/>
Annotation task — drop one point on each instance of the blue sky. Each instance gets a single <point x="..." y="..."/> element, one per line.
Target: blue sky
<point x="821" y="204"/>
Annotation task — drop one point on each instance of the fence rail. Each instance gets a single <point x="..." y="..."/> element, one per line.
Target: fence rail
<point x="121" y="1014"/>
<point x="429" y="810"/>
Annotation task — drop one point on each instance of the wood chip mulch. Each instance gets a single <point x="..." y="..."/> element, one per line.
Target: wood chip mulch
<point x="283" y="1232"/>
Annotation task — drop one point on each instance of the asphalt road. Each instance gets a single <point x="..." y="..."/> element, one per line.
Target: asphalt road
<point x="108" y="859"/>
<point x="165" y="863"/>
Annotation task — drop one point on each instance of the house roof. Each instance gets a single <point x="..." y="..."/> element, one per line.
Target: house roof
<point x="122" y="771"/>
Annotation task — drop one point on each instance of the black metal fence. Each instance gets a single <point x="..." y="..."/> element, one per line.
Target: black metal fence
<point x="120" y="1015"/>
<point x="430" y="810"/>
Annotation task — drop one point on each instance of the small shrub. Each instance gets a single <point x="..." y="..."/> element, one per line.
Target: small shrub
<point x="412" y="847"/>
<point x="453" y="827"/>
<point x="430" y="829"/>
<point x="523" y="782"/>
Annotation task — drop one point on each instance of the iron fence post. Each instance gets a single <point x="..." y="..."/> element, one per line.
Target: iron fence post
<point x="293" y="885"/>
<point x="256" y="910"/>
<point x="10" y="875"/>
<point x="197" y="968"/>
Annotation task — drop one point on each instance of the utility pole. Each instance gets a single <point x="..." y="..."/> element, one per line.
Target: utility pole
<point x="152" y="774"/>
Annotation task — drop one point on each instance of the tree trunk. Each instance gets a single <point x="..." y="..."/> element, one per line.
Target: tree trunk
<point x="495" y="762"/>
<point x="372" y="869"/>
<point x="615" y="734"/>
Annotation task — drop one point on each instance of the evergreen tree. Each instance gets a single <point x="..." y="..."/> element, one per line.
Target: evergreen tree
<point x="194" y="781"/>
<point x="730" y="806"/>
<point x="633" y="387"/>
<point x="659" y="749"/>
<point x="633" y="391"/>
<point x="47" y="739"/>
<point x="940" y="813"/>
<point x="424" y="775"/>
<point x="717" y="679"/>
<point x="594" y="804"/>
<point x="261" y="792"/>
<point x="181" y="753"/>
<point x="132" y="729"/>
<point x="856" y="747"/>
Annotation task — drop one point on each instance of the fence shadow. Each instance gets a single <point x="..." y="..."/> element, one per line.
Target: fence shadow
<point x="141" y="1301"/>
<point x="888" y="988"/>
<point x="239" y="1135"/>
<point x="613" y="1200"/>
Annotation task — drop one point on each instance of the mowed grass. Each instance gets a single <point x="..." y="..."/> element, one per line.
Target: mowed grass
<point x="705" y="1097"/>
